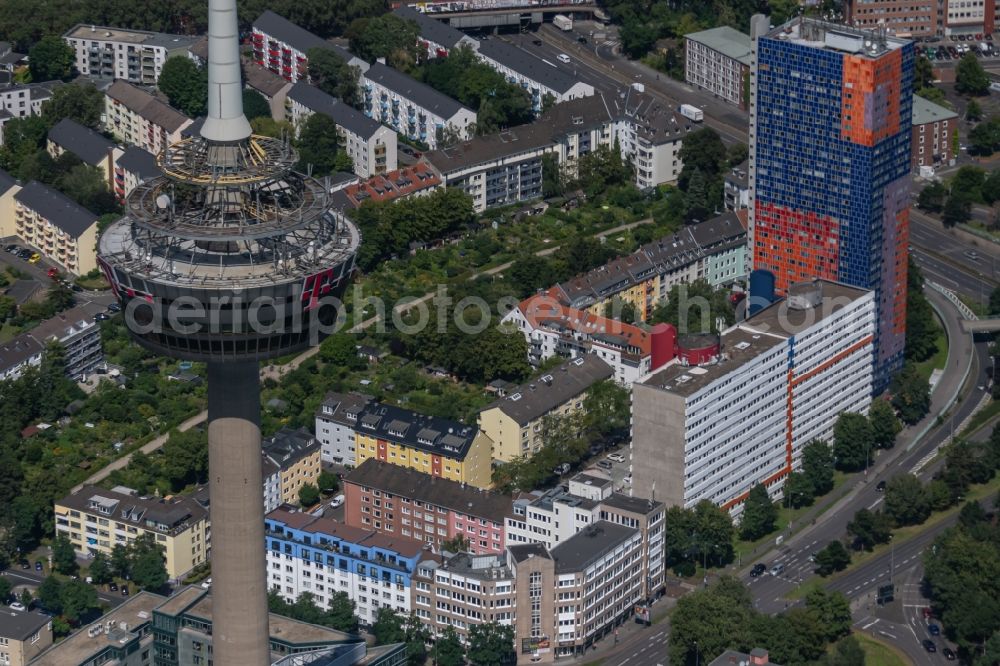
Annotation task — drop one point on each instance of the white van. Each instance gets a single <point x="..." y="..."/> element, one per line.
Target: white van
<point x="562" y="57"/>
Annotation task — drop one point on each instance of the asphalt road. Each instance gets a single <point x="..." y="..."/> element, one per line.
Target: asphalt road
<point x="34" y="578"/>
<point x="770" y="591"/>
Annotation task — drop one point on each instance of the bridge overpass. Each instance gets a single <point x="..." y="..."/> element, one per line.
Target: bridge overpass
<point x="504" y="16"/>
<point x="990" y="325"/>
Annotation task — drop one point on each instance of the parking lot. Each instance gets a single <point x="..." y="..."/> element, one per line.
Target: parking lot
<point x="38" y="271"/>
<point x="953" y="48"/>
<point x="616" y="465"/>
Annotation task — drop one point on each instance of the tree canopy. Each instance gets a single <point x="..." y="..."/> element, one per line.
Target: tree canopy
<point x="759" y="514"/>
<point x="319" y="147"/>
<point x="185" y="84"/>
<point x="970" y="77"/>
<point x="51" y="58"/>
<point x="328" y="72"/>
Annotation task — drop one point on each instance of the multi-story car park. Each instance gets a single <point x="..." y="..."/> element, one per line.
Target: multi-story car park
<point x="131" y="55"/>
<point x="734" y="410"/>
<point x="323" y="557"/>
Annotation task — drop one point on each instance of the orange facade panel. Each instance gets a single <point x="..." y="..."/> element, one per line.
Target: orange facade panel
<point x="795" y="246"/>
<point x="870" y="97"/>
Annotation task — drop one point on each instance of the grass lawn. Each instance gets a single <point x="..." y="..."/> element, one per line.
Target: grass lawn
<point x="982" y="417"/>
<point x="940" y="357"/>
<point x="8" y="333"/>
<point x="93" y="284"/>
<point x="878" y="653"/>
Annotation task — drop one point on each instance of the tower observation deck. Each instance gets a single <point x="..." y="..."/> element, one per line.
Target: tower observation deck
<point x="230" y="257"/>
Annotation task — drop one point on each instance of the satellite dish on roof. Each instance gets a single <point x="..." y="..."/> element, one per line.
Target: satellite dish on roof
<point x="163" y="202"/>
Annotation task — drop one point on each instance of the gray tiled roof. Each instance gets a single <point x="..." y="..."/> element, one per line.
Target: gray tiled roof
<point x="526" y="65"/>
<point x="278" y="27"/>
<point x="287" y="446"/>
<point x="589" y="545"/>
<point x="415" y="485"/>
<point x="419" y="93"/>
<point x="140" y="162"/>
<point x="926" y="111"/>
<point x="532" y="400"/>
<point x="431" y="29"/>
<point x="262" y="79"/>
<point x="142" y="103"/>
<point x="81" y="141"/>
<point x="21" y="625"/>
<point x="57" y="208"/>
<point x="7" y="181"/>
<point x="343" y="115"/>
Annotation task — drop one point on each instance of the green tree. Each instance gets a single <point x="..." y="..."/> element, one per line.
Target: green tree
<point x="308" y="495"/>
<point x="50" y="595"/>
<point x="448" y="650"/>
<point x="957" y="210"/>
<point x="932" y="197"/>
<point x="100" y="569"/>
<point x="852" y="442"/>
<point x="327" y="482"/>
<point x="254" y="105"/>
<point x="387" y="36"/>
<point x="457" y="544"/>
<point x="119" y="562"/>
<point x="78" y="600"/>
<point x="991" y="188"/>
<point x="51" y="58"/>
<point x="906" y="501"/>
<point x="340" y="614"/>
<point x="984" y="138"/>
<point x="147" y="565"/>
<point x="869" y="528"/>
<point x="341" y="351"/>
<point x="973" y="112"/>
<point x="798" y="490"/>
<point x="923" y="73"/>
<point x="817" y="466"/>
<point x="388" y="627"/>
<point x="329" y="73"/>
<point x="695" y="308"/>
<point x="968" y="182"/>
<point x="491" y="644"/>
<point x="707" y="622"/>
<point x="5" y="590"/>
<point x="601" y="169"/>
<point x="834" y="557"/>
<point x="911" y="394"/>
<point x="185" y="458"/>
<point x="702" y="151"/>
<point x="185" y="85"/>
<point x="552" y="180"/>
<point x="607" y="408"/>
<point x="737" y="154"/>
<point x="417" y="637"/>
<point x="759" y="514"/>
<point x="884" y="424"/>
<point x="63" y="556"/>
<point x="846" y="652"/>
<point x="318" y="144"/>
<point x="81" y="102"/>
<point x="970" y="77"/>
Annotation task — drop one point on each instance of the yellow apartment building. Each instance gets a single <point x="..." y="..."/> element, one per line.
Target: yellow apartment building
<point x="55" y="225"/>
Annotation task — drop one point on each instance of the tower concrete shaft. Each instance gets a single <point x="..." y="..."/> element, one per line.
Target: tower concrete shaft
<point x="239" y="587"/>
<point x="225" y="122"/>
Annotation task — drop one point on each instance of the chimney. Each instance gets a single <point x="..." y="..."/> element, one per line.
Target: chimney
<point x="759" y="657"/>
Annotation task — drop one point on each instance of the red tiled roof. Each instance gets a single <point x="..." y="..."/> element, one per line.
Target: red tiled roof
<point x="545" y="308"/>
<point x="393" y="185"/>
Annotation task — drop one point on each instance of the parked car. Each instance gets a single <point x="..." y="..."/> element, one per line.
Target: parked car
<point x="12" y="248"/>
<point x="124" y="590"/>
<point x="949" y="654"/>
<point x="627" y="480"/>
<point x="100" y="316"/>
<point x="25" y="564"/>
<point x="758" y="569"/>
<point x="208" y="583"/>
<point x="604" y="464"/>
<point x="559" y="470"/>
<point x="927" y="612"/>
<point x="616" y="457"/>
<point x="337" y="501"/>
<point x="114" y="307"/>
<point x="933" y="630"/>
<point x="38" y="565"/>
<point x="880" y="487"/>
<point x="929" y="645"/>
<point x="24" y="254"/>
<point x="113" y="586"/>
<point x="18" y="606"/>
<point x="34" y="258"/>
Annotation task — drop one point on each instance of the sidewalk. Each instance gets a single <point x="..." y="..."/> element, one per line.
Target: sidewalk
<point x="606" y="649"/>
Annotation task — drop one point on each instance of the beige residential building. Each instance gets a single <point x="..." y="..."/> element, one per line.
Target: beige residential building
<point x="559" y="601"/>
<point x="91" y="148"/>
<point x="9" y="187"/>
<point x="134" y="116"/>
<point x="104" y="52"/>
<point x="96" y="520"/>
<point x="514" y="422"/>
<point x="295" y="455"/>
<point x="23" y="634"/>
<point x="54" y="225"/>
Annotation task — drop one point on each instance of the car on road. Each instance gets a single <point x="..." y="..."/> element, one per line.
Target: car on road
<point x="337" y="501"/>
<point x="53" y="273"/>
<point x="582" y="40"/>
<point x="38" y="565"/>
<point x="536" y="42"/>
<point x="616" y="457"/>
<point x="927" y="612"/>
<point x="758" y="569"/>
<point x="933" y="630"/>
<point x="18" y="606"/>
<point x="563" y="58"/>
<point x="949" y="654"/>
<point x="75" y="287"/>
<point x="627" y="480"/>
<point x="880" y="487"/>
<point x="114" y="308"/>
<point x="113" y="587"/>
<point x="777" y="569"/>
<point x="34" y="258"/>
<point x="929" y="645"/>
<point x="604" y="464"/>
<point x="972" y="254"/>
<point x="124" y="590"/>
<point x="101" y="316"/>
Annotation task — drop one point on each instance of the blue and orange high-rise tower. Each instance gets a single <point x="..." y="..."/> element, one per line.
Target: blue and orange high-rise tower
<point x="830" y="163"/>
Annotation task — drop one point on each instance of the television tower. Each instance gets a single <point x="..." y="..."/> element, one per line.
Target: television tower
<point x="230" y="257"/>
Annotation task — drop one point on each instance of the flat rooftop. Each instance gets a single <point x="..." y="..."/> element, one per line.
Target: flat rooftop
<point x="109" y="34"/>
<point x="282" y="628"/>
<point x="752" y="337"/>
<point x="816" y="34"/>
<point x="79" y="647"/>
